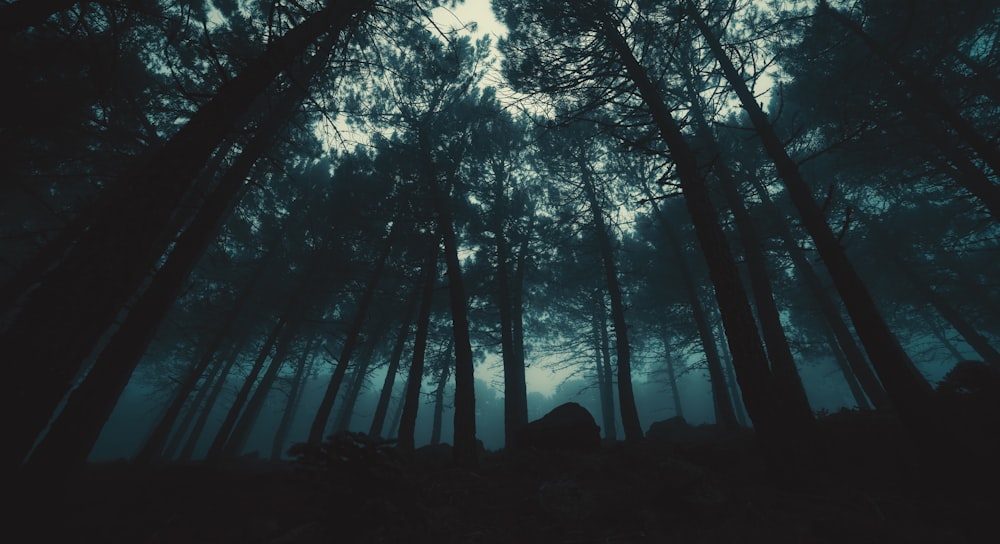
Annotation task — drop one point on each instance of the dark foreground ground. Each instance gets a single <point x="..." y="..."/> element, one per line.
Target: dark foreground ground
<point x="689" y="485"/>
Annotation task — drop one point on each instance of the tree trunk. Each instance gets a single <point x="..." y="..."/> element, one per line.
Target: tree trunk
<point x="439" y="398"/>
<point x="78" y="300"/>
<point x="215" y="451"/>
<point x="248" y="419"/>
<point x="605" y="377"/>
<point x="411" y="401"/>
<point x="626" y="396"/>
<point x="220" y="382"/>
<point x="465" y="448"/>
<point x="859" y="366"/>
<point x="357" y="383"/>
<point x="845" y="369"/>
<point x="722" y="401"/>
<point x="514" y="383"/>
<point x="378" y="420"/>
<point x="780" y="354"/>
<point x="908" y="391"/>
<point x="675" y="391"/>
<point x="318" y="428"/>
<point x="749" y="358"/>
<point x="302" y="370"/>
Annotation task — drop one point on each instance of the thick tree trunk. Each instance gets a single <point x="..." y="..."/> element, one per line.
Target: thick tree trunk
<point x="909" y="392"/>
<point x="623" y="350"/>
<point x="78" y="300"/>
<point x="465" y="448"/>
<point x="411" y="396"/>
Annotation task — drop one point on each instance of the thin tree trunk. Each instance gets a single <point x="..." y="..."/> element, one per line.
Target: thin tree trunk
<point x="411" y="401"/>
<point x="514" y="383"/>
<point x="220" y="382"/>
<point x="378" y="420"/>
<point x="626" y="395"/>
<point x="215" y="451"/>
<point x="845" y="369"/>
<point x="192" y="409"/>
<point x="248" y="419"/>
<point x="302" y="370"/>
<point x="357" y="383"/>
<point x="859" y="366"/>
<point x="605" y="377"/>
<point x="675" y="391"/>
<point x="442" y="384"/>
<point x="78" y="300"/>
<point x="318" y="428"/>
<point x="722" y="401"/>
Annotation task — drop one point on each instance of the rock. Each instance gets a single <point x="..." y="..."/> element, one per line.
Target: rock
<point x="567" y="427"/>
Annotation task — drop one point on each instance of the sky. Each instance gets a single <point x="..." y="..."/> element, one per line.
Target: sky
<point x="477" y="11"/>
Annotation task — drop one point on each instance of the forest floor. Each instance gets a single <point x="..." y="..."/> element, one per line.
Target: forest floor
<point x="691" y="486"/>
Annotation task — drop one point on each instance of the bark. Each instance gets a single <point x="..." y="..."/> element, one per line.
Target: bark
<point x="382" y="408"/>
<point x="725" y="412"/>
<point x="215" y="451"/>
<point x="302" y="370"/>
<point x="780" y="354"/>
<point x="626" y="395"/>
<point x="908" y="391"/>
<point x="78" y="300"/>
<point x="411" y="400"/>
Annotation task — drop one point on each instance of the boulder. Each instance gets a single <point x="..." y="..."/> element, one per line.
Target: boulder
<point x="567" y="427"/>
